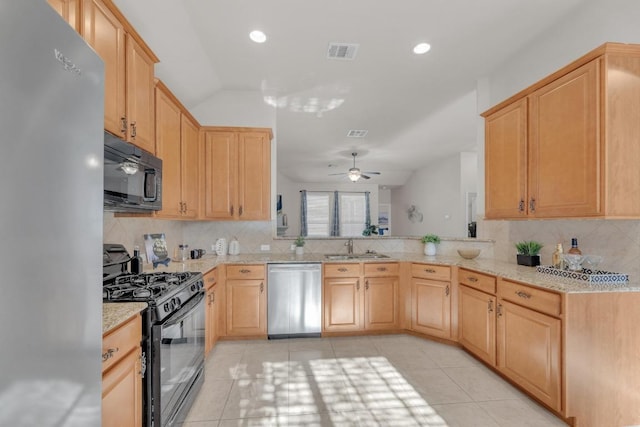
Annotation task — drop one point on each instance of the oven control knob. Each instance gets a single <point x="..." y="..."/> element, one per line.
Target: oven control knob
<point x="175" y="302"/>
<point x="194" y="287"/>
<point x="167" y="307"/>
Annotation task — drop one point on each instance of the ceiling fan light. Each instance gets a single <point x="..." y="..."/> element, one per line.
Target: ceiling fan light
<point x="354" y="176"/>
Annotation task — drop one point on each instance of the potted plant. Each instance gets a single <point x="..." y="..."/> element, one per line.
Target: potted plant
<point x="528" y="253"/>
<point x="299" y="242"/>
<point x="430" y="241"/>
<point x="372" y="229"/>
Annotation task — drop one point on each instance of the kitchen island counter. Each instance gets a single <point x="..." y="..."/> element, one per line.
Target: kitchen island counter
<point x="116" y="313"/>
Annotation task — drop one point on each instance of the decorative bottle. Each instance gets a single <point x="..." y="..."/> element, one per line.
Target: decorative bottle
<point x="574" y="247"/>
<point x="556" y="259"/>
<point x="136" y="261"/>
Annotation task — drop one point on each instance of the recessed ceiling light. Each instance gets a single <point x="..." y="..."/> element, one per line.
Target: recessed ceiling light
<point x="258" y="36"/>
<point x="421" y="48"/>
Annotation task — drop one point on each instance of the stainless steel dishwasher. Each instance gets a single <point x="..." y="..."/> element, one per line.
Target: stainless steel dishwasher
<point x="294" y="300"/>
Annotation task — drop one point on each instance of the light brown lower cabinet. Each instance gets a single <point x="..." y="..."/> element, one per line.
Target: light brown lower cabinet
<point x="529" y="351"/>
<point x="246" y="300"/>
<point x="122" y="375"/>
<point x="211" y="311"/>
<point x="359" y="297"/>
<point x="477" y="323"/>
<point x="431" y="299"/>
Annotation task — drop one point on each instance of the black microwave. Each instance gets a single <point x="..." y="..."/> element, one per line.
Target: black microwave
<point x="132" y="177"/>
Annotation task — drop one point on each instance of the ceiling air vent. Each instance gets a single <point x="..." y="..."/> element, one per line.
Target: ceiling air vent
<point x="342" y="50"/>
<point x="355" y="133"/>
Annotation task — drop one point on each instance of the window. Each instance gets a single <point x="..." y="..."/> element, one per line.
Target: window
<point x="318" y="214"/>
<point x="352" y="214"/>
<point x="350" y="220"/>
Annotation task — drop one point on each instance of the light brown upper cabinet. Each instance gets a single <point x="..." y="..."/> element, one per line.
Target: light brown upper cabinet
<point x="237" y="173"/>
<point x="177" y="144"/>
<point x="129" y="63"/>
<point x="566" y="146"/>
<point x="69" y="10"/>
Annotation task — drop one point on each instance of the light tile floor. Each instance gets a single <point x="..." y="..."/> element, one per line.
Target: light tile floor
<point x="392" y="380"/>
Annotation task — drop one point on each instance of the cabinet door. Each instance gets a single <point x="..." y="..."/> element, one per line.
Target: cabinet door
<point x="254" y="176"/>
<point x="477" y="323"/>
<point x="190" y="167"/>
<point x="140" y="97"/>
<point x="122" y="393"/>
<point x="105" y="33"/>
<point x="431" y="307"/>
<point x="343" y="305"/>
<point x="564" y="149"/>
<point x="220" y="175"/>
<point x="506" y="162"/>
<point x="246" y="307"/>
<point x="529" y="349"/>
<point x="381" y="303"/>
<point x="68" y="9"/>
<point x="168" y="148"/>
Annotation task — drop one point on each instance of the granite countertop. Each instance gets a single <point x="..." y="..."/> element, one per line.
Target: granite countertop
<point x="506" y="270"/>
<point x="115" y="313"/>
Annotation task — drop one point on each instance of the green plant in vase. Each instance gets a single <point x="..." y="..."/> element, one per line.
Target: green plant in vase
<point x="528" y="253"/>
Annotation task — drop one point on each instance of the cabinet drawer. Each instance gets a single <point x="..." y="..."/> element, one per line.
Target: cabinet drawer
<point x="381" y="269"/>
<point x="430" y="271"/>
<point x="245" y="271"/>
<point x="342" y="270"/>
<point x="211" y="278"/>
<point x="479" y="281"/>
<point x="116" y="344"/>
<point x="527" y="296"/>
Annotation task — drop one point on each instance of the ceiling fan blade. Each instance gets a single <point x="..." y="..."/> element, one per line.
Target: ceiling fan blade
<point x="372" y="173"/>
<point x="341" y="173"/>
<point x="365" y="176"/>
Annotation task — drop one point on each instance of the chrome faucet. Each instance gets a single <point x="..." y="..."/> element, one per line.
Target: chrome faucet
<point x="349" y="246"/>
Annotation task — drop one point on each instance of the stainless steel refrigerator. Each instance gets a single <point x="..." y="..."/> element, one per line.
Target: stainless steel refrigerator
<point x="51" y="157"/>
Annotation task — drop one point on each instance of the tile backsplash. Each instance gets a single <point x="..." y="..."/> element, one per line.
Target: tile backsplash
<point x="618" y="241"/>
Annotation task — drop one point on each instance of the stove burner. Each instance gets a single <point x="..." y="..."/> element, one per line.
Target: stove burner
<point x="145" y="287"/>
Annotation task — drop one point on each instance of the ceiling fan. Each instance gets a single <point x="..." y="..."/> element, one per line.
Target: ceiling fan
<point x="354" y="173"/>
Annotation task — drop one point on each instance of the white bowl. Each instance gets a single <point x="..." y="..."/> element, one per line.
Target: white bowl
<point x="469" y="253"/>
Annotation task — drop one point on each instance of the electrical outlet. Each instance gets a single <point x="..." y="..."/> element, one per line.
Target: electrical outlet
<point x="213" y="248"/>
<point x="265" y="247"/>
<point x="293" y="247"/>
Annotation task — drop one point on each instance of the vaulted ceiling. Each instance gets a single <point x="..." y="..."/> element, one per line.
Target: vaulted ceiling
<point x="416" y="108"/>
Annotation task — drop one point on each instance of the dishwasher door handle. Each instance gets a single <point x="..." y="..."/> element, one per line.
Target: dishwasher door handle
<point x="301" y="267"/>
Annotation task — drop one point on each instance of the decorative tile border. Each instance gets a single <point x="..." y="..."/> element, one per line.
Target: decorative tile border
<point x="586" y="275"/>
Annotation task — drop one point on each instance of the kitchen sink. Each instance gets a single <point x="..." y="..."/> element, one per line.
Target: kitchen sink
<point x="367" y="255"/>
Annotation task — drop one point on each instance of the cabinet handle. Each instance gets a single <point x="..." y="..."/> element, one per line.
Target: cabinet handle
<point x="240" y="211"/>
<point x="490" y="308"/>
<point x="261" y="287"/>
<point x="532" y="205"/>
<point x="357" y="285"/>
<point x="123" y="124"/>
<point x="472" y="279"/>
<point x="213" y="297"/>
<point x="366" y="285"/>
<point x="211" y="279"/>
<point x="429" y="270"/>
<point x="499" y="310"/>
<point x="521" y="206"/>
<point x="342" y="270"/>
<point x="245" y="271"/>
<point x="231" y="210"/>
<point x="446" y="291"/>
<point x="523" y="294"/>
<point x="381" y="268"/>
<point x="109" y="354"/>
<point x="134" y="130"/>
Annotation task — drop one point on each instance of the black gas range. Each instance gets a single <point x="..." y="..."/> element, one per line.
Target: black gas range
<point x="173" y="333"/>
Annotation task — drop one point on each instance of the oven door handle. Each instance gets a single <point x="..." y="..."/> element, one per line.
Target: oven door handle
<point x="194" y="302"/>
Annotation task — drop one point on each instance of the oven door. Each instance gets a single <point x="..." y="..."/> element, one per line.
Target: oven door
<point x="178" y="369"/>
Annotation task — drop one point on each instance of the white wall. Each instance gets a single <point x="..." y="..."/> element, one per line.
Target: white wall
<point x="438" y="191"/>
<point x="290" y="192"/>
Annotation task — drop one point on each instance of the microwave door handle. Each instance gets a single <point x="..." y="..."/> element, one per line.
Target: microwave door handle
<point x="147" y="174"/>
